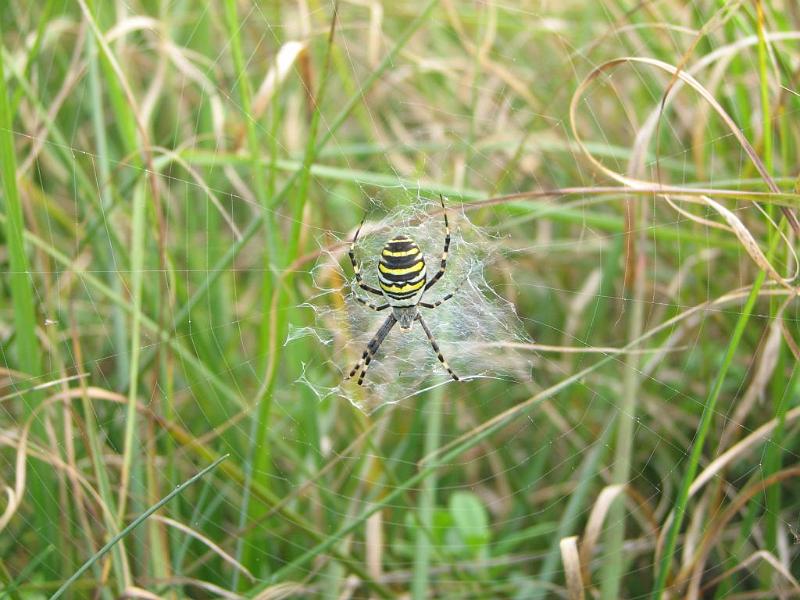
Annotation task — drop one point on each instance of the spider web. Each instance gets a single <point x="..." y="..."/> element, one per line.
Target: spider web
<point x="477" y="330"/>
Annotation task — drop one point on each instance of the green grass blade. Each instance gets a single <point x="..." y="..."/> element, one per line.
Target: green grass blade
<point x="20" y="280"/>
<point x="10" y="587"/>
<point x="613" y="567"/>
<point x="709" y="411"/>
<point x="572" y="512"/>
<point x="133" y="525"/>
<point x="254" y="555"/>
<point x="131" y="444"/>
<point x="20" y="277"/>
<point x="420" y="584"/>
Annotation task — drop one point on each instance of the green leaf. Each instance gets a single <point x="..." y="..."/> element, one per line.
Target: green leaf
<point x="470" y="518"/>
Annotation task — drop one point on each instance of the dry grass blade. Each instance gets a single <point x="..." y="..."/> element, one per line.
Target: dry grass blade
<point x="375" y="545"/>
<point x="16" y="494"/>
<point x="25" y="449"/>
<point x="176" y="157"/>
<point x="751" y="246"/>
<point x="647" y="132"/>
<point x="568" y="349"/>
<point x="594" y="526"/>
<point x="207" y="542"/>
<point x="213" y="590"/>
<point x="76" y="70"/>
<point x="760" y="555"/>
<point x="41" y="386"/>
<point x="740" y="448"/>
<point x="694" y="530"/>
<point x="766" y="363"/>
<point x="137" y="592"/>
<point x="695" y="569"/>
<point x="280" y="591"/>
<point x="586" y="294"/>
<point x="570" y="557"/>
<point x="695" y="218"/>
<point x="133" y="24"/>
<point x="685" y="78"/>
<point x="285" y="59"/>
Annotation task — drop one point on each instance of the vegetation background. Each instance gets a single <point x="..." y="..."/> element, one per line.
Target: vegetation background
<point x="169" y="170"/>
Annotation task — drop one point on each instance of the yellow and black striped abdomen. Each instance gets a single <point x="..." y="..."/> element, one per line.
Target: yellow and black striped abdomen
<point x="401" y="270"/>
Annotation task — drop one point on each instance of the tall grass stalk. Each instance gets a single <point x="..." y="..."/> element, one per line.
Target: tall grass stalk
<point x="28" y="353"/>
<point x="106" y="190"/>
<point x="778" y="387"/>
<point x="132" y="442"/>
<point x="421" y="586"/>
<point x="615" y="559"/>
<point x="20" y="276"/>
<point x="709" y="411"/>
<point x="254" y="554"/>
<point x="119" y="563"/>
<point x="576" y="505"/>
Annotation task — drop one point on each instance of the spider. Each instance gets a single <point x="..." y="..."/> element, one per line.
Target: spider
<point x="402" y="280"/>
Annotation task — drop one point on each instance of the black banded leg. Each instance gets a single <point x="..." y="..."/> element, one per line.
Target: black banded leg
<point x="443" y="264"/>
<point x="438" y="302"/>
<point x="369" y="304"/>
<point x="436" y="348"/>
<point x="372" y="348"/>
<point x="356" y="268"/>
<point x="364" y="370"/>
<point x="442" y="300"/>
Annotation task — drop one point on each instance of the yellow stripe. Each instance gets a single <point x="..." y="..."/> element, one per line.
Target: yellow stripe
<point x="401" y="253"/>
<point x="399" y="240"/>
<point x="417" y="266"/>
<point x="403" y="289"/>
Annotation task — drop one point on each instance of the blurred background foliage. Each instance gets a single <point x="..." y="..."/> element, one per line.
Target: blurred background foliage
<point x="171" y="171"/>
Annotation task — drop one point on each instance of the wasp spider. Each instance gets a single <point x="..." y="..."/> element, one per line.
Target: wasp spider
<point x="403" y="281"/>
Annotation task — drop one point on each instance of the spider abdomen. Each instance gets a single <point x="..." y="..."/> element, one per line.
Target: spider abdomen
<point x="401" y="271"/>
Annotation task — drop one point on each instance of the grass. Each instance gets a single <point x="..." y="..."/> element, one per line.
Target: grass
<point x="169" y="177"/>
<point x="131" y="526"/>
<point x="28" y="354"/>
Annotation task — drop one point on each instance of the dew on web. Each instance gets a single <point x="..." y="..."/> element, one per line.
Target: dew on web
<point x="477" y="330"/>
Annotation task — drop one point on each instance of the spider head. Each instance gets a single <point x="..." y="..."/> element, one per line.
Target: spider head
<point x="405" y="316"/>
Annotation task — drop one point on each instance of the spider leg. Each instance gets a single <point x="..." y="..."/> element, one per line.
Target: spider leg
<point x="438" y="302"/>
<point x="436" y="348"/>
<point x="371" y="349"/>
<point x="356" y="268"/>
<point x="369" y="304"/>
<point x="443" y="300"/>
<point x="443" y="264"/>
